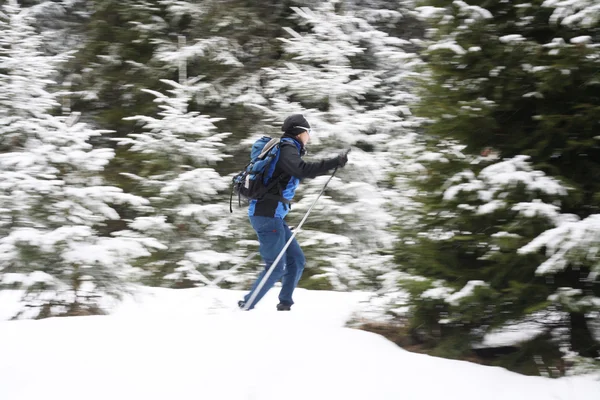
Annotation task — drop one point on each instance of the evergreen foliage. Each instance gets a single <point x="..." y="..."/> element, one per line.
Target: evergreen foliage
<point x="348" y="78"/>
<point x="176" y="151"/>
<point x="516" y="82"/>
<point x="52" y="197"/>
<point x="472" y="182"/>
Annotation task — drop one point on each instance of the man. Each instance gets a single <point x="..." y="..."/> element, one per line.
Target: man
<point x="267" y="214"/>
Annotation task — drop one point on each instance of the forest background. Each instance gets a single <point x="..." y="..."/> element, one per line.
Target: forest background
<point x="470" y="203"/>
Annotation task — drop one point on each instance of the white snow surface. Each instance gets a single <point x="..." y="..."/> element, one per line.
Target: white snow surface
<point x="195" y="344"/>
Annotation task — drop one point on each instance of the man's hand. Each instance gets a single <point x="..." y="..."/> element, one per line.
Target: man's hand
<point x="343" y="158"/>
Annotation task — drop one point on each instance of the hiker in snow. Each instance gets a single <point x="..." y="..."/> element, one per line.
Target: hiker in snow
<point x="267" y="213"/>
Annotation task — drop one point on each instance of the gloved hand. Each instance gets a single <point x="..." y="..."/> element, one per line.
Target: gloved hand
<point x="343" y="158"/>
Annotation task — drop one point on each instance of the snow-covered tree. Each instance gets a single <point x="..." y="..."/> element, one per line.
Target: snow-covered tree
<point x="509" y="80"/>
<point x="61" y="23"/>
<point x="138" y="44"/>
<point x="476" y="222"/>
<point x="346" y="76"/>
<point x="177" y="152"/>
<point x="116" y="62"/>
<point x="53" y="200"/>
<point x="572" y="247"/>
<point x="134" y="44"/>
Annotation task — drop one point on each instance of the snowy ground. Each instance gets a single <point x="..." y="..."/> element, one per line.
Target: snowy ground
<point x="192" y="344"/>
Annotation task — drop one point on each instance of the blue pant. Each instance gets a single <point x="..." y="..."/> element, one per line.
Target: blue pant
<point x="273" y="234"/>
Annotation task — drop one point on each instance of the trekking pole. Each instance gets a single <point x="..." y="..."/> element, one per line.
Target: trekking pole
<point x="282" y="252"/>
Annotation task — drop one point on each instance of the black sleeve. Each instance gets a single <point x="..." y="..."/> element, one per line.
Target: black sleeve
<point x="291" y="163"/>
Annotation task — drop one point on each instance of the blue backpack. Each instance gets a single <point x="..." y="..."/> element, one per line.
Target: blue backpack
<point x="254" y="182"/>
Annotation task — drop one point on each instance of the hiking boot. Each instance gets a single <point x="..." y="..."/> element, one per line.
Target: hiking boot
<point x="284" y="307"/>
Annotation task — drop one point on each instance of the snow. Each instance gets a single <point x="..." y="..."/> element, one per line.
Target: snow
<point x="518" y="170"/>
<point x="194" y="344"/>
<point x="554" y="44"/>
<point x="453" y="46"/>
<point x="430" y="156"/>
<point x="505" y="235"/>
<point x="537" y="95"/>
<point x="209" y="257"/>
<point x="581" y="39"/>
<point x="466" y="291"/>
<point x="572" y="241"/>
<point x="538" y="208"/>
<point x="475" y="12"/>
<point x="490" y="207"/>
<point x="512" y="335"/>
<point x="426" y="12"/>
<point x="452" y="192"/>
<point x="148" y="223"/>
<point x="584" y="13"/>
<point x="511" y="38"/>
<point x="437" y="293"/>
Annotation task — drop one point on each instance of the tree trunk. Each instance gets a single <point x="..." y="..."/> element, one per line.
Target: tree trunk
<point x="582" y="340"/>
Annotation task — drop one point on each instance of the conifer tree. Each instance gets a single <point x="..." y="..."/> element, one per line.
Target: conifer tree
<point x="468" y="252"/>
<point x="132" y="45"/>
<point x="177" y="152"/>
<point x="346" y="76"/>
<point x="60" y="23"/>
<point x="509" y="80"/>
<point x="117" y="61"/>
<point x="54" y="202"/>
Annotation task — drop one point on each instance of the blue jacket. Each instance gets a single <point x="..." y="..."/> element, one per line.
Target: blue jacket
<point x="290" y="168"/>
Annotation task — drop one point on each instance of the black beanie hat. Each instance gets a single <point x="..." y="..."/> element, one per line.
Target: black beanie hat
<point x="291" y="124"/>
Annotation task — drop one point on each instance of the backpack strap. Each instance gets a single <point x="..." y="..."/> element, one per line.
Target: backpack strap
<point x="272" y="143"/>
<point x="276" y="181"/>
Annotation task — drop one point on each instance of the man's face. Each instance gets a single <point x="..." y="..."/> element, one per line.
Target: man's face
<point x="304" y="137"/>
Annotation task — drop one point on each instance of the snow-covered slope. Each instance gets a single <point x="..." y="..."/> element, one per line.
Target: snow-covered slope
<point x="194" y="344"/>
